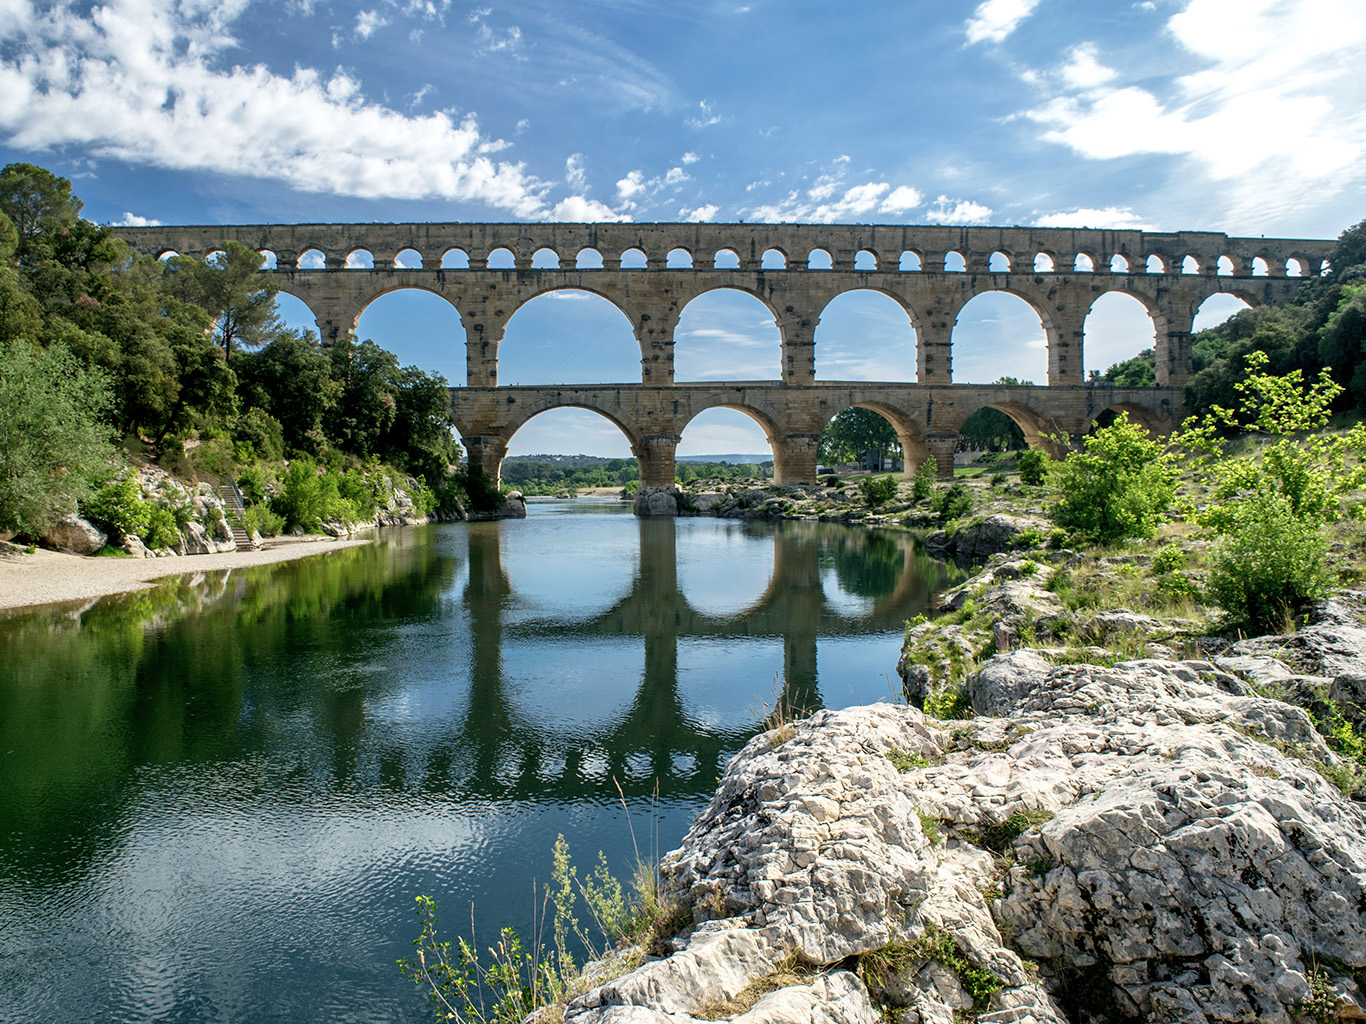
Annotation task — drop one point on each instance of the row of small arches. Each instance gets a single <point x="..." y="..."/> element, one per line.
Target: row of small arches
<point x="819" y="259"/>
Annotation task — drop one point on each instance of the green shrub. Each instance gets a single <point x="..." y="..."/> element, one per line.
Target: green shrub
<point x="119" y="506"/>
<point x="215" y="458"/>
<point x="998" y="479"/>
<point x="1033" y="464"/>
<point x="260" y="519"/>
<point x="357" y="490"/>
<point x="1269" y="564"/>
<point x="162" y="530"/>
<point x="923" y="483"/>
<point x="953" y="502"/>
<point x="251" y="481"/>
<point x="300" y="501"/>
<point x="831" y="481"/>
<point x="1120" y="485"/>
<point x="262" y="432"/>
<point x="878" y="490"/>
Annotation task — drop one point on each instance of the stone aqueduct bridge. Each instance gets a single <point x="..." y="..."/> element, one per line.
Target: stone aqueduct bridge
<point x="1170" y="274"/>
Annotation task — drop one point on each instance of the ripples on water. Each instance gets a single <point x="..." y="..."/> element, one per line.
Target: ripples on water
<point x="219" y="798"/>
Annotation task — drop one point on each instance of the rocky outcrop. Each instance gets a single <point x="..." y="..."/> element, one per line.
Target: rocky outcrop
<point x="73" y="534"/>
<point x="1150" y="841"/>
<point x="981" y="538"/>
<point x="656" y="501"/>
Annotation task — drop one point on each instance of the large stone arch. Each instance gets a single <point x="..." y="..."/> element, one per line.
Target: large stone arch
<point x="1040" y="429"/>
<point x="900" y="300"/>
<point x="615" y="298"/>
<point x="1157" y="317"/>
<point x="1058" y="340"/>
<point x="740" y="287"/>
<point x="487" y="447"/>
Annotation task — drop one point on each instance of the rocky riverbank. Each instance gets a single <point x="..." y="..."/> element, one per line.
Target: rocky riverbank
<point x="1116" y="817"/>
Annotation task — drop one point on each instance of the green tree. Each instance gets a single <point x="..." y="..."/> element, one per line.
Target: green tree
<point x="1138" y="372"/>
<point x="52" y="437"/>
<point x="236" y="293"/>
<point x="290" y="379"/>
<point x="854" y="431"/>
<point x="38" y="203"/>
<point x="1120" y="485"/>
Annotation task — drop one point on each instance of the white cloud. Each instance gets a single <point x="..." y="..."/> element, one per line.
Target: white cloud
<point x="690" y="158"/>
<point x="1275" y="113"/>
<point x="957" y="211"/>
<point x="702" y="215"/>
<point x="142" y="83"/>
<point x="1117" y="218"/>
<point x="631" y="186"/>
<point x="706" y="120"/>
<point x="367" y="22"/>
<point x="578" y="209"/>
<point x="830" y="201"/>
<point x="132" y="220"/>
<point x="900" y="200"/>
<point x="574" y="173"/>
<point x="635" y="187"/>
<point x="994" y="20"/>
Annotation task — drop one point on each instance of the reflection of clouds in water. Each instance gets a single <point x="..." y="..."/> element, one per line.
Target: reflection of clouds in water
<point x="722" y="573"/>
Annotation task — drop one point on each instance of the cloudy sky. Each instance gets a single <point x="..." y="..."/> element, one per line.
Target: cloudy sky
<point x="1245" y="116"/>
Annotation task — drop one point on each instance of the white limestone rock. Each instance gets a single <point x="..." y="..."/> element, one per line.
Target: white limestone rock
<point x="73" y="534"/>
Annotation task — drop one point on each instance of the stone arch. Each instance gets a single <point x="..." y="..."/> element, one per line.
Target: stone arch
<point x="545" y="258"/>
<point x="1119" y="264"/>
<point x="360" y="259"/>
<point x="312" y="258"/>
<point x="773" y="258"/>
<point x="634" y="258"/>
<point x="488" y="450"/>
<point x="848" y="314"/>
<point x="954" y="263"/>
<point x="502" y="258"/>
<point x="455" y="258"/>
<point x="910" y="261"/>
<point x="1214" y="308"/>
<point x="998" y="263"/>
<point x="1294" y="267"/>
<point x="272" y="261"/>
<point x="1038" y="428"/>
<point x="1260" y="268"/>
<point x="1007" y="330"/>
<point x="1083" y="263"/>
<point x="1223" y="267"/>
<point x="297" y="312"/>
<point x="819" y="259"/>
<point x="408" y="258"/>
<point x="767" y="419"/>
<point x="1155" y="263"/>
<point x="910" y="432"/>
<point x="1112" y="333"/>
<point x="865" y="259"/>
<point x="739" y="347"/>
<point x="678" y="258"/>
<point x="1045" y="263"/>
<point x="422" y="327"/>
<point x="1140" y="414"/>
<point x="726" y="259"/>
<point x="588" y="258"/>
<point x="1190" y="264"/>
<point x="576" y="344"/>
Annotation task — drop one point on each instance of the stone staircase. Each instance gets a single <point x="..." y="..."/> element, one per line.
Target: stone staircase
<point x="236" y="514"/>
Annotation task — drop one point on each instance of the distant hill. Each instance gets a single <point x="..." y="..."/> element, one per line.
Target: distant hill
<point x="598" y="460"/>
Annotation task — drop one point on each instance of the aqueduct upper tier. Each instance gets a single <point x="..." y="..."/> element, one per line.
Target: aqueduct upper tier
<point x="651" y="271"/>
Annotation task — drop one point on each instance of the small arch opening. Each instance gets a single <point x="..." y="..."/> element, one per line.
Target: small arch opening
<point x="216" y="258"/>
<point x="1259" y="267"/>
<point x="312" y="259"/>
<point x="502" y="259"/>
<point x="545" y="259"/>
<point x="1190" y="265"/>
<point x="726" y="259"/>
<point x="678" y="259"/>
<point x="634" y="259"/>
<point x="360" y="259"/>
<point x="1119" y="264"/>
<point x="588" y="259"/>
<point x="1083" y="264"/>
<point x="455" y="259"/>
<point x="910" y="261"/>
<point x="954" y="263"/>
<point x="1294" y="268"/>
<point x="1043" y="263"/>
<point x="1224" y="267"/>
<point x="1155" y="265"/>
<point x="408" y="259"/>
<point x="271" y="261"/>
<point x="865" y="260"/>
<point x="773" y="259"/>
<point x="819" y="259"/>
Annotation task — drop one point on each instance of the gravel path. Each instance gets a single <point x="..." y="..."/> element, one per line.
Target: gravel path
<point x="45" y="577"/>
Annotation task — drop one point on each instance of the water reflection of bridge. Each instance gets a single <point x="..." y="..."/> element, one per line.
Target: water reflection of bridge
<point x="656" y="745"/>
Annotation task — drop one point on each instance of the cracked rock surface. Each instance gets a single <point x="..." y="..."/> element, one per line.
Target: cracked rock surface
<point x="1128" y="840"/>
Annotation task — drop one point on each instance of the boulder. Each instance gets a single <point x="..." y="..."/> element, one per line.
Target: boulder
<point x="984" y="537"/>
<point x="197" y="540"/>
<point x="73" y="534"/>
<point x="1000" y="683"/>
<point x="656" y="501"/>
<point x="132" y="545"/>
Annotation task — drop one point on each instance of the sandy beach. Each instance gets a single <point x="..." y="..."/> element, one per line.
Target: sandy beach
<point x="45" y="577"/>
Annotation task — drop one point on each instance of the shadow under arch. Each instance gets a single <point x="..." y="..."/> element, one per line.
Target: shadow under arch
<point x="570" y="335"/>
<point x="1138" y="414"/>
<point x="700" y="327"/>
<point x="1039" y="430"/>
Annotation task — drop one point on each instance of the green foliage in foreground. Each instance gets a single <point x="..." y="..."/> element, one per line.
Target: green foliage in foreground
<point x="1120" y="485"/>
<point x="52" y="438"/>
<point x="510" y="980"/>
<point x="878" y="490"/>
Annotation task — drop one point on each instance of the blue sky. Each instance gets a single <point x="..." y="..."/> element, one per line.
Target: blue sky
<point x="1245" y="116"/>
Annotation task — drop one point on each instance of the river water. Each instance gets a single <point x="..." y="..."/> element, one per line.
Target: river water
<point x="220" y="798"/>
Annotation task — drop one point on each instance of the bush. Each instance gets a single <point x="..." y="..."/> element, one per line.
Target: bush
<point x="119" y="506"/>
<point x="1269" y="564"/>
<point x="215" y="458"/>
<point x="300" y="501"/>
<point x="1120" y="485"/>
<point x="262" y="432"/>
<point x="878" y="490"/>
<point x="953" y="502"/>
<point x="998" y="479"/>
<point x="162" y="530"/>
<point x="923" y="484"/>
<point x="260" y="519"/>
<point x="1033" y="464"/>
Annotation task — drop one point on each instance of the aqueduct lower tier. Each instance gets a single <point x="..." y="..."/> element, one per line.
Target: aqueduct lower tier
<point x="927" y="418"/>
<point x="796" y="270"/>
